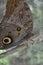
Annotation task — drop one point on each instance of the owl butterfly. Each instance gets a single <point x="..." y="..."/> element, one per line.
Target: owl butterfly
<point x="16" y="23"/>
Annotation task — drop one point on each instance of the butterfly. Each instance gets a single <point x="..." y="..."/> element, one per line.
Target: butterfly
<point x="16" y="23"/>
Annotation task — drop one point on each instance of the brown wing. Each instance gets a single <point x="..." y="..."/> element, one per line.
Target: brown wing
<point x="10" y="6"/>
<point x="16" y="23"/>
